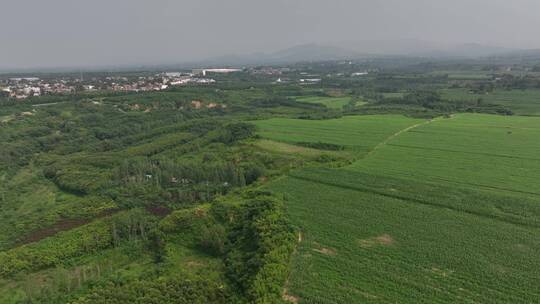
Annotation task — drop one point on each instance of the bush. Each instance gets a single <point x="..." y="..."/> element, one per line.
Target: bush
<point x="212" y="239"/>
<point x="180" y="290"/>
<point x="259" y="249"/>
<point x="92" y="237"/>
<point x="235" y="132"/>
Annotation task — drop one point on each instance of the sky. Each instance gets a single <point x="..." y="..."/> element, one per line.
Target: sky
<point x="68" y="33"/>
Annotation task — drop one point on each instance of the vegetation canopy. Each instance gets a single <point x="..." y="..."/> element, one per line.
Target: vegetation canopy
<point x="389" y="180"/>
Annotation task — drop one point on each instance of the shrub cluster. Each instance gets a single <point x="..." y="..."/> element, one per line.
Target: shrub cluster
<point x="259" y="248"/>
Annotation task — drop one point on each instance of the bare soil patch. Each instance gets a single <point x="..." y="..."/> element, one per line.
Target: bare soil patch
<point x="159" y="211"/>
<point x="441" y="272"/>
<point x="326" y="251"/>
<point x="381" y="240"/>
<point x="62" y="225"/>
<point x="194" y="264"/>
<point x="289" y="298"/>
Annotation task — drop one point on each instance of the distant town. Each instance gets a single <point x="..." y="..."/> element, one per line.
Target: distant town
<point x="23" y="86"/>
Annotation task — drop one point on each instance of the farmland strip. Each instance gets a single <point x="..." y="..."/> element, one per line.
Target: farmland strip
<point x="414" y="200"/>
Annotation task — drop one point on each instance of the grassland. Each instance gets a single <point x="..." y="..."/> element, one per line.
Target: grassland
<point x="393" y="95"/>
<point x="330" y="102"/>
<point x="440" y="211"/>
<point x="522" y="102"/>
<point x="284" y="148"/>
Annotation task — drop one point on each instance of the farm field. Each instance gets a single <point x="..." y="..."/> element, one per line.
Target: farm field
<point x="492" y="152"/>
<point x="360" y="246"/>
<point x="440" y="211"/>
<point x="522" y="102"/>
<point x="357" y="133"/>
<point x="464" y="75"/>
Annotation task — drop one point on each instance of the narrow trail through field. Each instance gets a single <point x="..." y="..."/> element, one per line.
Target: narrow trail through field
<point x="47" y="104"/>
<point x="398" y="133"/>
<point x="406" y="199"/>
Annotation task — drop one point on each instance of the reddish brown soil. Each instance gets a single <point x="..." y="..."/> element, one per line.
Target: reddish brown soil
<point x="158" y="211"/>
<point x="68" y="224"/>
<point x="61" y="225"/>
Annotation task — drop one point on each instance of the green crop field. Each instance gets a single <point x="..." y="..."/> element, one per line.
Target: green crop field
<point x="440" y="211"/>
<point x="363" y="245"/>
<point x="522" y="102"/>
<point x="494" y="152"/>
<point x="330" y="102"/>
<point x="479" y="170"/>
<point x="358" y="133"/>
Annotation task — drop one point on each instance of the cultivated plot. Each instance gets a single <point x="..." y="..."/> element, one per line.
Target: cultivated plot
<point x="360" y="133"/>
<point x="439" y="211"/>
<point x="360" y="246"/>
<point x="491" y="152"/>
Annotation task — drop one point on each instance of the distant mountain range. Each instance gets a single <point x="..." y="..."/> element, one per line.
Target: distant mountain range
<point x="307" y="52"/>
<point x="422" y="48"/>
<point x="369" y="49"/>
<point x="348" y="50"/>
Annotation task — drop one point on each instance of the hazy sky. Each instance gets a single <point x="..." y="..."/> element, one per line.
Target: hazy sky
<point x="46" y="33"/>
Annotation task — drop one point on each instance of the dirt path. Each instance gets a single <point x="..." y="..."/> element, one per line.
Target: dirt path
<point x="47" y="104"/>
<point x="407" y="129"/>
